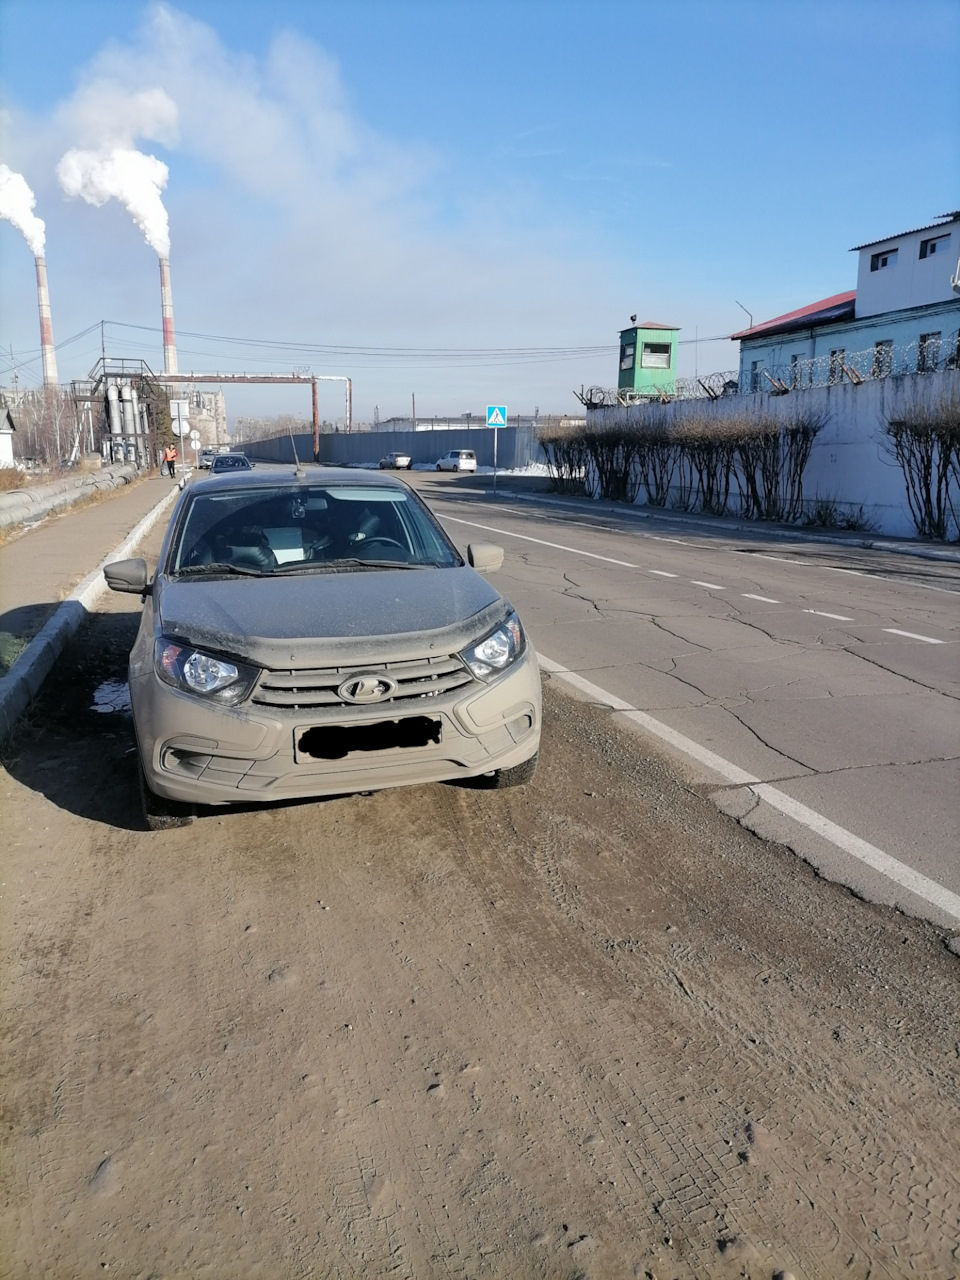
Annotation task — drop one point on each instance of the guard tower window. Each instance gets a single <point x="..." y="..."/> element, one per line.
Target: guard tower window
<point x="886" y="258"/>
<point x="655" y="355"/>
<point x="627" y="353"/>
<point x="936" y="244"/>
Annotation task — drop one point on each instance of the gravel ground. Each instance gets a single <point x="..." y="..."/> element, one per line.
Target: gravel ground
<point x="588" y="1028"/>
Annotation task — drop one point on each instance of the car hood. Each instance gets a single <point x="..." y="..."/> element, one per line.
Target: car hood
<point x="331" y="618"/>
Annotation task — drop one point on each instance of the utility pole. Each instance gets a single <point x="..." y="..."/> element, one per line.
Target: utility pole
<point x="413" y="418"/>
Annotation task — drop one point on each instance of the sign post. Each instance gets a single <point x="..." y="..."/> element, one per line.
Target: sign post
<point x="195" y="441"/>
<point x="496" y="418"/>
<point x="180" y="424"/>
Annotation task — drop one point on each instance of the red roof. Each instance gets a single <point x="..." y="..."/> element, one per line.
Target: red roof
<point x="822" y="312"/>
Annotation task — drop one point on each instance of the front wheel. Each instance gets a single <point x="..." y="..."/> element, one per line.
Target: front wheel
<point x="518" y="776"/>
<point x="439" y="468"/>
<point x="159" y="813"/>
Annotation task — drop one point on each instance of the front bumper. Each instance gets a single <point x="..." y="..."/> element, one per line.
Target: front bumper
<point x="200" y="753"/>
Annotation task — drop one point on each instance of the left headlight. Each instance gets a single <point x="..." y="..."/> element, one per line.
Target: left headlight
<point x="496" y="651"/>
<point x="195" y="671"/>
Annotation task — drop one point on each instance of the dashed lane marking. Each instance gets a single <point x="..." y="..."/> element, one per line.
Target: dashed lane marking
<point x="912" y="635"/>
<point x="892" y="869"/>
<point x="662" y="573"/>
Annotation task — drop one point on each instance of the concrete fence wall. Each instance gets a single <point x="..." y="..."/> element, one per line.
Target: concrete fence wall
<point x="516" y="447"/>
<point x="848" y="464"/>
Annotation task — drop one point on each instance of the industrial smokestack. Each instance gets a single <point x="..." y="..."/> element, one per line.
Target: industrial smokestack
<point x="46" y="327"/>
<point x="166" y="307"/>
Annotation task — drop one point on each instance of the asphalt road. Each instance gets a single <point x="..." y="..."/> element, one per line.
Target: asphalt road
<point x="816" y="684"/>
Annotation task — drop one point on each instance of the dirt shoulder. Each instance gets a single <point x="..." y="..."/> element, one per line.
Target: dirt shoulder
<point x="590" y="1028"/>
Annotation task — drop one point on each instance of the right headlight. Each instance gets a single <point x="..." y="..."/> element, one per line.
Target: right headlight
<point x="196" y="671"/>
<point x="496" y="651"/>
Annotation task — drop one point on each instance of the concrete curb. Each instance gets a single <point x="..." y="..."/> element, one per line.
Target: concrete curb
<point x="25" y="678"/>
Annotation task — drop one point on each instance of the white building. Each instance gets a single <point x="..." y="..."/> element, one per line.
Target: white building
<point x="904" y="317"/>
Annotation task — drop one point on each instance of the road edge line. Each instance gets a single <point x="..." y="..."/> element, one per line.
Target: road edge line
<point x="929" y="891"/>
<point x="24" y="680"/>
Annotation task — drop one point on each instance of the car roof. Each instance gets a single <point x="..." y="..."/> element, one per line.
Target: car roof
<point x="268" y="475"/>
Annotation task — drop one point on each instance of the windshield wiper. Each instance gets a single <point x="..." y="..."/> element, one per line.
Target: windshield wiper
<point x="337" y="566"/>
<point x="220" y="566"/>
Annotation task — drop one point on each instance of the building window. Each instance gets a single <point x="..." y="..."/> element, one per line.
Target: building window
<point x="835" y="368"/>
<point x="755" y="367"/>
<point x="886" y="258"/>
<point x="936" y="244"/>
<point x="626" y="355"/>
<point x="882" y="359"/>
<point x="928" y="352"/>
<point x="655" y="355"/>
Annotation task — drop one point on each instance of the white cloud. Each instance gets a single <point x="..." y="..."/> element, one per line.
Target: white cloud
<point x="290" y="216"/>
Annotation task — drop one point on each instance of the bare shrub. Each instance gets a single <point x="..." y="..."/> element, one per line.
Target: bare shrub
<point x="772" y="454"/>
<point x="925" y="443"/>
<point x="565" y="451"/>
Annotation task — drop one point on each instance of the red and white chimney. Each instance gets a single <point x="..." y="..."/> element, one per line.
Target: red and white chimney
<point x="166" y="307"/>
<point x="46" y="327"/>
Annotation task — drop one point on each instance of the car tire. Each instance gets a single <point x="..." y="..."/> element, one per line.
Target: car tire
<point x="518" y="776"/>
<point x="159" y="813"/>
<point x="439" y="468"/>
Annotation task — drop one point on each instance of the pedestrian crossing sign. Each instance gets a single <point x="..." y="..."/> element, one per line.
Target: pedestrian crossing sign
<point x="496" y="415"/>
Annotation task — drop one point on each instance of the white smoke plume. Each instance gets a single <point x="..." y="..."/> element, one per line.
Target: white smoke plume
<point x="132" y="178"/>
<point x="16" y="206"/>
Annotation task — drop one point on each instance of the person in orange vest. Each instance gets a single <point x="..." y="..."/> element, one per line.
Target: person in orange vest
<point x="169" y="460"/>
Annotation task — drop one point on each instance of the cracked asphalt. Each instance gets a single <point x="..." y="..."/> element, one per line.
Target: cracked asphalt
<point x="831" y="672"/>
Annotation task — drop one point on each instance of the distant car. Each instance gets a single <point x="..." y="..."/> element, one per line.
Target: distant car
<point x="458" y="460"/>
<point x="206" y="457"/>
<point x="314" y="632"/>
<point x="230" y="462"/>
<point x="396" y="462"/>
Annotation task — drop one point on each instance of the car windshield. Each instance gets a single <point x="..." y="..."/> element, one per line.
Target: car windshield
<point x="305" y="528"/>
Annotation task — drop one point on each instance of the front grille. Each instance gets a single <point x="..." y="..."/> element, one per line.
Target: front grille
<point x="317" y="687"/>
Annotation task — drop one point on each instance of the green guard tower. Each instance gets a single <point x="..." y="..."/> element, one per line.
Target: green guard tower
<point x="648" y="358"/>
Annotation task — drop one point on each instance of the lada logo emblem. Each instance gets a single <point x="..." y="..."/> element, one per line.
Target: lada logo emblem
<point x="366" y="688"/>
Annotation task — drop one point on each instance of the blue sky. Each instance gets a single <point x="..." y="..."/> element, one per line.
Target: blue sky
<point x="470" y="182"/>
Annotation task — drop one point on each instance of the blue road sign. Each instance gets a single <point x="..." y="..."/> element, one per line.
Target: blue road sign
<point x="496" y="415"/>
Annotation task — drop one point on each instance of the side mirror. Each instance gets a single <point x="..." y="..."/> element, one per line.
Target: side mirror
<point x="486" y="557"/>
<point x="127" y="575"/>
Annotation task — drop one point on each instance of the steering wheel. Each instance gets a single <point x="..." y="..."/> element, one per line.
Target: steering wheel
<point x="381" y="541"/>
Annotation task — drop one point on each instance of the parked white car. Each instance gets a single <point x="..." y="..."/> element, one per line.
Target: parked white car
<point x="458" y="460"/>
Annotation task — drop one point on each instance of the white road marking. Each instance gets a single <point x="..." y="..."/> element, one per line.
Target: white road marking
<point x="662" y="573"/>
<point x="712" y="586"/>
<point x="912" y="635"/>
<point x="891" y="868"/>
<point x="557" y="546"/>
<point x="837" y="617"/>
<point x="747" y="595"/>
